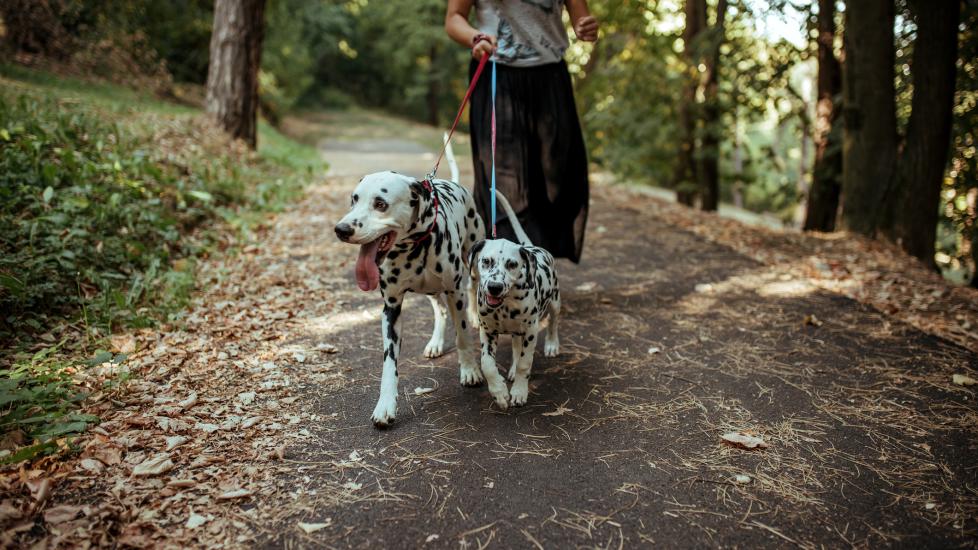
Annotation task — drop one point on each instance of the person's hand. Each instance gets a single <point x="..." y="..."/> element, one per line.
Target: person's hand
<point x="486" y="44"/>
<point x="586" y="28"/>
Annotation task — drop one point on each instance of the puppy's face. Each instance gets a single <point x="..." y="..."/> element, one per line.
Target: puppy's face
<point x="500" y="266"/>
<point x="382" y="209"/>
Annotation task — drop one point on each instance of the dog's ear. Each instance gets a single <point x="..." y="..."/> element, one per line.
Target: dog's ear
<point x="417" y="191"/>
<point x="473" y="259"/>
<point x="529" y="266"/>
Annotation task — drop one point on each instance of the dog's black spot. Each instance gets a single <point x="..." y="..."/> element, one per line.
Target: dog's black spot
<point x="471" y="213"/>
<point x="438" y="267"/>
<point x="530" y="338"/>
<point x="458" y="305"/>
<point x="419" y="270"/>
<point x="383" y="190"/>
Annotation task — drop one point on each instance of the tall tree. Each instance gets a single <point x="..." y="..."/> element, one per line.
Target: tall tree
<point x="235" y="56"/>
<point x="923" y="158"/>
<point x="823" y="198"/>
<point x="708" y="161"/>
<point x="684" y="175"/>
<point x="870" y="140"/>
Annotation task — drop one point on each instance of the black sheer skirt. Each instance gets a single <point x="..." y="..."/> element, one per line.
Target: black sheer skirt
<point x="541" y="163"/>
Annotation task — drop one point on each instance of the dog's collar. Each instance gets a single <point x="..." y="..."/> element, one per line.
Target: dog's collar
<point x="434" y="222"/>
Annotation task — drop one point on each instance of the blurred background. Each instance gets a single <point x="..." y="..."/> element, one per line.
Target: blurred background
<point x="734" y="104"/>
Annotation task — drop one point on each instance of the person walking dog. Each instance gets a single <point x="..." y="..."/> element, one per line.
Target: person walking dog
<point x="541" y="162"/>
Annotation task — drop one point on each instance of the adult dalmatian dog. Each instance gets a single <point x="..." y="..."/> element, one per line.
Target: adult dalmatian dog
<point x="415" y="236"/>
<point x="517" y="292"/>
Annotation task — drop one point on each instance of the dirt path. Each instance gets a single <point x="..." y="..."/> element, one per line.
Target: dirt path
<point x="669" y="341"/>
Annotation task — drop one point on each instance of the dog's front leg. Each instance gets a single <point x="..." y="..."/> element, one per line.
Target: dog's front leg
<point x="523" y="346"/>
<point x="497" y="384"/>
<point x="386" y="408"/>
<point x="469" y="374"/>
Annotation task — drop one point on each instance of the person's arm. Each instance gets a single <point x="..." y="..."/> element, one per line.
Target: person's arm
<point x="585" y="25"/>
<point x="458" y="28"/>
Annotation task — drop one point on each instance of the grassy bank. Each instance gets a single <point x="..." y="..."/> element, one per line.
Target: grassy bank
<point x="107" y="199"/>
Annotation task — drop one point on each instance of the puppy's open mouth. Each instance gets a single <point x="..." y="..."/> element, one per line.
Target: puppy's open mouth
<point x="371" y="254"/>
<point x="493" y="300"/>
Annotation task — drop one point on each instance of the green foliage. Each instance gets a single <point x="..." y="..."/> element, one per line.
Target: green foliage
<point x="37" y="400"/>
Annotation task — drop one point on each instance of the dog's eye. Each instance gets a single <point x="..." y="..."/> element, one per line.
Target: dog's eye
<point x="486" y="262"/>
<point x="380" y="204"/>
<point x="511" y="265"/>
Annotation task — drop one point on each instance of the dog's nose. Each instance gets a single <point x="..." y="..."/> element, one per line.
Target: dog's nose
<point x="494" y="288"/>
<point x="344" y="231"/>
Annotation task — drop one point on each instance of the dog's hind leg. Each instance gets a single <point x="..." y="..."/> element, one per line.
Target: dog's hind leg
<point x="436" y="345"/>
<point x="469" y="373"/>
<point x="386" y="408"/>
<point x="551" y="344"/>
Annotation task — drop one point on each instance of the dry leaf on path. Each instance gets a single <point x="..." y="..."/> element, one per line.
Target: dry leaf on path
<point x="352" y="486"/>
<point x="40" y="489"/>
<point x="154" y="466"/>
<point x="310" y="528"/>
<point x="561" y="411"/>
<point x="422" y="391"/>
<point x="196" y="520"/>
<point x="123" y="343"/>
<point x="175" y="441"/>
<point x="190" y="401"/>
<point x="62" y="513"/>
<point x="236" y="493"/>
<point x="742" y="440"/>
<point x="963" y="380"/>
<point x="91" y="465"/>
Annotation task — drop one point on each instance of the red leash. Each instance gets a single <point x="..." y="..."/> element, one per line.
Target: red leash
<point x="428" y="181"/>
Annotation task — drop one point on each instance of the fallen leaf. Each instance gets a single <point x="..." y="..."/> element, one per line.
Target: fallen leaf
<point x="812" y="320"/>
<point x="355" y="457"/>
<point x="153" y="466"/>
<point x="195" y="520"/>
<point x="190" y="401"/>
<point x="742" y="478"/>
<point x="352" y="486"/>
<point x="8" y="512"/>
<point x="653" y="350"/>
<point x="561" y="411"/>
<point x="313" y="527"/>
<point x="431" y="538"/>
<point x="40" y="489"/>
<point x="175" y="441"/>
<point x="963" y="380"/>
<point x="61" y="514"/>
<point x="586" y="287"/>
<point x="236" y="493"/>
<point x="930" y="506"/>
<point x="422" y="391"/>
<point x="249" y="422"/>
<point x="91" y="465"/>
<point x="182" y="483"/>
<point x="209" y="428"/>
<point x="123" y="343"/>
<point x="738" y="439"/>
<point x="246" y="398"/>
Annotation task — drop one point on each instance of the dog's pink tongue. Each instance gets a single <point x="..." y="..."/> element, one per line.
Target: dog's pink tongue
<point x="368" y="276"/>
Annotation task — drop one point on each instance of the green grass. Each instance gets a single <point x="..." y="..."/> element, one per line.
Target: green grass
<point x="107" y="197"/>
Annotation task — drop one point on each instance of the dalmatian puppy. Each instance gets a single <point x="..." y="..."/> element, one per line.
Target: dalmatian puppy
<point x="414" y="236"/>
<point x="517" y="291"/>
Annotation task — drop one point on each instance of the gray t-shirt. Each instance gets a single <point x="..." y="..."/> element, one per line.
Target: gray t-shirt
<point x="528" y="32"/>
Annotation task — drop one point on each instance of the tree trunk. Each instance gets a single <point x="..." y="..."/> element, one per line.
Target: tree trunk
<point x="923" y="160"/>
<point x="708" y="165"/>
<point x="684" y="174"/>
<point x="870" y="141"/>
<point x="823" y="197"/>
<point x="235" y="55"/>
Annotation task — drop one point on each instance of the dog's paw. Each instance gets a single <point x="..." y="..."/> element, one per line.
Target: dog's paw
<point x="470" y="376"/>
<point x="384" y="412"/>
<point x="501" y="395"/>
<point x="551" y="348"/>
<point x="518" y="393"/>
<point x="511" y="375"/>
<point x="435" y="347"/>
